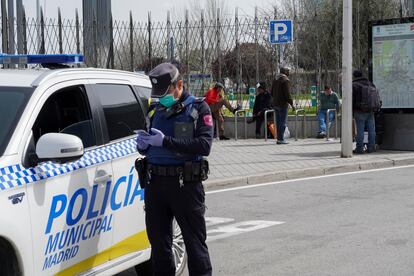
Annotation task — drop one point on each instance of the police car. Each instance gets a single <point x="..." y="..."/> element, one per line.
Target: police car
<point x="70" y="198"/>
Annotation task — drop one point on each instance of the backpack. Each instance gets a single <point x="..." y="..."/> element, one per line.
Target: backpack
<point x="369" y="98"/>
<point x="212" y="96"/>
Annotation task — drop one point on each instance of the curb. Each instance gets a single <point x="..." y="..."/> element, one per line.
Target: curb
<point x="303" y="173"/>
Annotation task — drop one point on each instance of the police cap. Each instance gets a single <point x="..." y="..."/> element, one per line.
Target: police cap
<point x="161" y="78"/>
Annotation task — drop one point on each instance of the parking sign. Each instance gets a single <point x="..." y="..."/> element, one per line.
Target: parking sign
<point x="280" y="31"/>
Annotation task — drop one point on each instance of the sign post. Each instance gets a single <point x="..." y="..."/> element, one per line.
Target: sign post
<point x="280" y="32"/>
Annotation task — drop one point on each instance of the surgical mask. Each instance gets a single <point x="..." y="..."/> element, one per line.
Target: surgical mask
<point x="168" y="100"/>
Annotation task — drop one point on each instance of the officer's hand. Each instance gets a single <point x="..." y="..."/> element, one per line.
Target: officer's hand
<point x="155" y="139"/>
<point x="141" y="143"/>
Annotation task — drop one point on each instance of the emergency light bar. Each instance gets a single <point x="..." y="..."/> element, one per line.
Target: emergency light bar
<point x="39" y="59"/>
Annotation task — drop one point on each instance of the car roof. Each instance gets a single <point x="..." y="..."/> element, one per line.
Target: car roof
<point x="34" y="77"/>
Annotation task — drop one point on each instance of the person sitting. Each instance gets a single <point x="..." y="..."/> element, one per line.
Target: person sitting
<point x="216" y="99"/>
<point x="327" y="100"/>
<point x="262" y="103"/>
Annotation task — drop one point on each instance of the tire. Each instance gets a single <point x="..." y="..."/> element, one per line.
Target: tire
<point x="179" y="254"/>
<point x="8" y="260"/>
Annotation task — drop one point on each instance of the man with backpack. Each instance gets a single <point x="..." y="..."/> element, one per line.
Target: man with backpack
<point x="365" y="101"/>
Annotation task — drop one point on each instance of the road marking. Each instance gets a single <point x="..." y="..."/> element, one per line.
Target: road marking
<point x="211" y="221"/>
<point x="305" y="178"/>
<point x="233" y="229"/>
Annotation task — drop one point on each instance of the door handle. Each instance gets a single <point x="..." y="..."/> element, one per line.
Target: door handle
<point x="102" y="178"/>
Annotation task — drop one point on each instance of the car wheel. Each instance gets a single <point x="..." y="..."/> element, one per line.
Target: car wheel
<point x="178" y="248"/>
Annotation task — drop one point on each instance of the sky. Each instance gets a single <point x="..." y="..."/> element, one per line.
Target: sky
<point x="139" y="8"/>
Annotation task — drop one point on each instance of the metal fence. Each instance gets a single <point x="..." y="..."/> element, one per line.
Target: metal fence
<point x="235" y="51"/>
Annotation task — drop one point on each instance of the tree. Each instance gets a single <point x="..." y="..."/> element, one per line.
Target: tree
<point x="248" y="63"/>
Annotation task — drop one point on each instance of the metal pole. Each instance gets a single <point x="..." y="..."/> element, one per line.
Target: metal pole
<point x="202" y="50"/>
<point x="187" y="56"/>
<point x="218" y="36"/>
<point x="4" y="35"/>
<point x="20" y="26"/>
<point x="149" y="41"/>
<point x="346" y="145"/>
<point x="10" y="6"/>
<point x="256" y="41"/>
<point x="38" y="28"/>
<point x="169" y="54"/>
<point x="239" y="73"/>
<point x="60" y="32"/>
<point x="131" y="42"/>
<point x="77" y="32"/>
<point x="42" y="49"/>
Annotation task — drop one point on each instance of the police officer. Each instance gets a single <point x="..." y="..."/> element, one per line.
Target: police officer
<point x="180" y="134"/>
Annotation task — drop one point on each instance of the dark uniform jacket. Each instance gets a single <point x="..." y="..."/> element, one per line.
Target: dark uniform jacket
<point x="262" y="102"/>
<point x="281" y="92"/>
<point x="357" y="85"/>
<point x="177" y="150"/>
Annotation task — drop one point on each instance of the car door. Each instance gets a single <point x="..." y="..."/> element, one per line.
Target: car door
<point x="122" y="116"/>
<point x="71" y="222"/>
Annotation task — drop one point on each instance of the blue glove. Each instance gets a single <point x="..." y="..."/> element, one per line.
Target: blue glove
<point x="141" y="143"/>
<point x="155" y="139"/>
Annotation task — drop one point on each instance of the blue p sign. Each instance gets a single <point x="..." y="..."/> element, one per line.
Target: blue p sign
<point x="281" y="31"/>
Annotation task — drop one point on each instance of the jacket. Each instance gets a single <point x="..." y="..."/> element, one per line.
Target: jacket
<point x="281" y="91"/>
<point x="356" y="91"/>
<point x="262" y="102"/>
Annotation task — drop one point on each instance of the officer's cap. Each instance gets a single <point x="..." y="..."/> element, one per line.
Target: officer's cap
<point x="161" y="78"/>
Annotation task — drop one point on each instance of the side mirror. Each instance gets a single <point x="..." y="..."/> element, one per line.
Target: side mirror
<point x="59" y="147"/>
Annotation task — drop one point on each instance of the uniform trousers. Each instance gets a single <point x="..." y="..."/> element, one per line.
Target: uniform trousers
<point x="165" y="200"/>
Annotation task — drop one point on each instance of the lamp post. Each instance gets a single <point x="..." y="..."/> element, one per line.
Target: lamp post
<point x="346" y="146"/>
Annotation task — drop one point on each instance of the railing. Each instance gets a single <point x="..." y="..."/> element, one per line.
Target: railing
<point x="265" y="122"/>
<point x="328" y="123"/>
<point x="245" y="123"/>
<point x="303" y="123"/>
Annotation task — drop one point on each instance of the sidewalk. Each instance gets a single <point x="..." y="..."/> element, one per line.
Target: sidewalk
<point x="253" y="161"/>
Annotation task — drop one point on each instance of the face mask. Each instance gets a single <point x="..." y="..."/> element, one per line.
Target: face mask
<point x="168" y="100"/>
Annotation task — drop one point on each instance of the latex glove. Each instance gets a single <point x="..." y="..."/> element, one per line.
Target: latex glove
<point x="141" y="143"/>
<point x="155" y="139"/>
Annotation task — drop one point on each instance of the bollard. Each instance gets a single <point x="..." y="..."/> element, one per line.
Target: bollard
<point x="328" y="123"/>
<point x="245" y="123"/>
<point x="303" y="123"/>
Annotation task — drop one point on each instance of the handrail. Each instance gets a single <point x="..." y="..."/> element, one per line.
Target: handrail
<point x="245" y="122"/>
<point x="303" y="123"/>
<point x="328" y="123"/>
<point x="265" y="122"/>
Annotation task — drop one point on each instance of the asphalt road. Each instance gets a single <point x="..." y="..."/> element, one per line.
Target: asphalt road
<point x="348" y="224"/>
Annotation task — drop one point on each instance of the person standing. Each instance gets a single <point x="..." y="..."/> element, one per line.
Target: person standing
<point x="365" y="101"/>
<point x="216" y="99"/>
<point x="180" y="134"/>
<point x="262" y="103"/>
<point x="282" y="98"/>
<point x="327" y="100"/>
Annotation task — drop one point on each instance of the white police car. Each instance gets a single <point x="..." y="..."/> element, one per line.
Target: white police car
<point x="70" y="198"/>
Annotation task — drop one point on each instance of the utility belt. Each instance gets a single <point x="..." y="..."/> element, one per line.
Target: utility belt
<point x="191" y="171"/>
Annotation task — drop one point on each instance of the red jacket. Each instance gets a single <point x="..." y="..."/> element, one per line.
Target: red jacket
<point x="212" y="96"/>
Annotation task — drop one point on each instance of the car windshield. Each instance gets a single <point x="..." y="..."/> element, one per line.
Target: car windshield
<point x="12" y="102"/>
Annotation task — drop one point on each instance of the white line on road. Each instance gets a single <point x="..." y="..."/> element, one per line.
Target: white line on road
<point x="306" y="178"/>
<point x="210" y="221"/>
<point x="239" y="228"/>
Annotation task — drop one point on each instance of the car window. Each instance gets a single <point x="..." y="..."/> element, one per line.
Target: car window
<point x="122" y="111"/>
<point x="12" y="102"/>
<point x="66" y="111"/>
<point x="144" y="95"/>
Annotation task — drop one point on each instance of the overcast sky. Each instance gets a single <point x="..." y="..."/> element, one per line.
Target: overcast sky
<point x="139" y="8"/>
